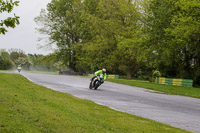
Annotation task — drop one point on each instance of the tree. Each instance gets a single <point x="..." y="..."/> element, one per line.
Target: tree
<point x="24" y="62"/>
<point x="111" y="36"/>
<point x="185" y="34"/>
<point x="89" y="34"/>
<point x="15" y="54"/>
<point x="130" y="39"/>
<point x="43" y="63"/>
<point x="61" y="23"/>
<point x="173" y="37"/>
<point x="162" y="52"/>
<point x="5" y="61"/>
<point x="7" y="6"/>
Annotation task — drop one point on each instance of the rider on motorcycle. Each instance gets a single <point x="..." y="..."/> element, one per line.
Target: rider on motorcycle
<point x="98" y="73"/>
<point x="19" y="68"/>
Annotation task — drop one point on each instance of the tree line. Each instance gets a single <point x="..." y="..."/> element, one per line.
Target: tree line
<point x="127" y="37"/>
<point x="12" y="58"/>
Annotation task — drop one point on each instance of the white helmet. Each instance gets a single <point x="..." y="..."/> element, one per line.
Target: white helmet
<point x="104" y="70"/>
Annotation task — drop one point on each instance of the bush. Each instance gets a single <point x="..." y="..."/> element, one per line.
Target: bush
<point x="5" y="61"/>
<point x="155" y="74"/>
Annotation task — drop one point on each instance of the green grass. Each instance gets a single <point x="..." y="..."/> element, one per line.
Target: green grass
<point x="29" y="108"/>
<point x="169" y="89"/>
<point x="9" y="70"/>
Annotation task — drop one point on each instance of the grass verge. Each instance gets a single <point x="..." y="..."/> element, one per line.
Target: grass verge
<point x="27" y="107"/>
<point x="169" y="89"/>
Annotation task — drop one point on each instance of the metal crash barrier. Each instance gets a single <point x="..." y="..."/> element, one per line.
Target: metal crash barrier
<point x="177" y="82"/>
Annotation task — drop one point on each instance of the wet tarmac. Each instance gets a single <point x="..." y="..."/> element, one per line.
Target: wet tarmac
<point x="178" y="111"/>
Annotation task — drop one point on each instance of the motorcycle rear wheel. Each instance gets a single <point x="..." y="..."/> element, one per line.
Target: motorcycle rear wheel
<point x="96" y="85"/>
<point x="90" y="86"/>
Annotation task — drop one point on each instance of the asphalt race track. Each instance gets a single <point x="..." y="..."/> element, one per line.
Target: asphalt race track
<point x="178" y="111"/>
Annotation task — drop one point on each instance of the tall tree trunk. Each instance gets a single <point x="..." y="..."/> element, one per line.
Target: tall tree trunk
<point x="187" y="65"/>
<point x="128" y="75"/>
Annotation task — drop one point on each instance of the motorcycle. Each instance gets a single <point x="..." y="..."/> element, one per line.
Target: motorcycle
<point x="19" y="70"/>
<point x="97" y="81"/>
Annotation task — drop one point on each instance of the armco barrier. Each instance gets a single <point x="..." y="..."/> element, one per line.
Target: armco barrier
<point x="187" y="82"/>
<point x="108" y="76"/>
<point x="177" y="82"/>
<point x="112" y="76"/>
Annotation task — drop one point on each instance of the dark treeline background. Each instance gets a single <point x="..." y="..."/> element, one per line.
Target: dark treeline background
<point x="127" y="37"/>
<point x="12" y="58"/>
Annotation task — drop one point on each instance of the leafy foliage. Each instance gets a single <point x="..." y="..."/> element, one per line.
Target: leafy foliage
<point x="43" y="63"/>
<point x="127" y="37"/>
<point x="7" y="6"/>
<point x="90" y="34"/>
<point x="174" y="37"/>
<point x="62" y="24"/>
<point x="15" y="57"/>
<point x="5" y="61"/>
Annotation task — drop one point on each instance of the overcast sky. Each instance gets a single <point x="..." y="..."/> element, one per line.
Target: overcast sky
<point x="24" y="36"/>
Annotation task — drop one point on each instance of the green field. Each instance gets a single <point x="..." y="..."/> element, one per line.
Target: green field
<point x="169" y="89"/>
<point x="30" y="108"/>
